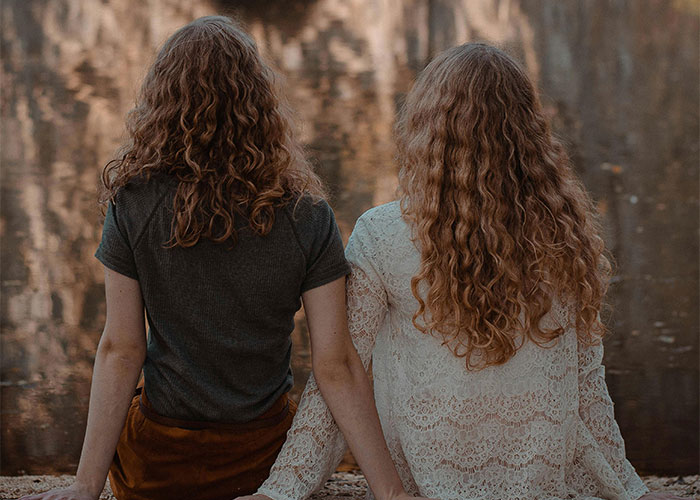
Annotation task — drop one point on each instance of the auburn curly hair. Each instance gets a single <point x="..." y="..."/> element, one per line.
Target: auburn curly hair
<point x="503" y="225"/>
<point x="208" y="115"/>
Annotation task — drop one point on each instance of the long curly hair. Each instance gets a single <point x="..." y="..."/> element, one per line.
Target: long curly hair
<point x="209" y="116"/>
<point x="503" y="225"/>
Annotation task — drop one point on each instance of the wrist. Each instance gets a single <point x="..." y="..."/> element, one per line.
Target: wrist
<point x="89" y="488"/>
<point x="393" y="493"/>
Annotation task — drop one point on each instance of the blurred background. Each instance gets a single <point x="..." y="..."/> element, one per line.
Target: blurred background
<point x="619" y="78"/>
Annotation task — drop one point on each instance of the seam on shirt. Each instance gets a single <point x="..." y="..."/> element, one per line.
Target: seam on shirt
<point x="296" y="234"/>
<point x="148" y="220"/>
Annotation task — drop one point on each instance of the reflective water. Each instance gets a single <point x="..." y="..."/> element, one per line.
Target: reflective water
<point x="619" y="78"/>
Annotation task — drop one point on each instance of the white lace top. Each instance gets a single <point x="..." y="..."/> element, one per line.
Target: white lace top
<point x="539" y="427"/>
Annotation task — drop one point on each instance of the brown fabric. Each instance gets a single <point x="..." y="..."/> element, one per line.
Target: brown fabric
<point x="154" y="461"/>
<point x="277" y="413"/>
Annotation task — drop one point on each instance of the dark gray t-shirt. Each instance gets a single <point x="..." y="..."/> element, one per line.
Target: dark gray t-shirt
<point x="219" y="315"/>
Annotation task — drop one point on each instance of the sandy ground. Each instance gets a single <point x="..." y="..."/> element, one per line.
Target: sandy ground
<point x="342" y="485"/>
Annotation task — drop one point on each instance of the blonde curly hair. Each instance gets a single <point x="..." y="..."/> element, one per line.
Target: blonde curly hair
<point x="503" y="225"/>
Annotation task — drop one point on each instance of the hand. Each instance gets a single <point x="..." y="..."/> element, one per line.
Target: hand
<point x="254" y="497"/>
<point x="73" y="492"/>
<point x="659" y="495"/>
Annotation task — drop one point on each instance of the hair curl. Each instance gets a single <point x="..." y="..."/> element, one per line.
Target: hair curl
<point x="503" y="225"/>
<point x="209" y="116"/>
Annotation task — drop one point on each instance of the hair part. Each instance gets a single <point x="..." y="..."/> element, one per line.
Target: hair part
<point x="503" y="225"/>
<point x="210" y="116"/>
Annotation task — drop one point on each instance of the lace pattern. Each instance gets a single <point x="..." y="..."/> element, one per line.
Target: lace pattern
<point x="539" y="427"/>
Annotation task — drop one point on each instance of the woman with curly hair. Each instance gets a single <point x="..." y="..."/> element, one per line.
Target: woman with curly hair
<point x="476" y="296"/>
<point x="217" y="227"/>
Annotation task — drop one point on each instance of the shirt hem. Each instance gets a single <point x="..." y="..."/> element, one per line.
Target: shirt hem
<point x="332" y="275"/>
<point x="115" y="267"/>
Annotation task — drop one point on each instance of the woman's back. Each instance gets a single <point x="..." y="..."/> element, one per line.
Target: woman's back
<point x="220" y="315"/>
<point x="217" y="228"/>
<point x="539" y="426"/>
<point x="387" y="245"/>
<point x="459" y="433"/>
<point x="477" y="299"/>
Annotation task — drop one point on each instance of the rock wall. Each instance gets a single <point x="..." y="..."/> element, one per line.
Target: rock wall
<point x="619" y="78"/>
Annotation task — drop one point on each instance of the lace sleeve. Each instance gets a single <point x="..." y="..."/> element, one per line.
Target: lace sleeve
<point x="315" y="446"/>
<point x="596" y="411"/>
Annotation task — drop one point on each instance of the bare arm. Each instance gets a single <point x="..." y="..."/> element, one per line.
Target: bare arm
<point x="345" y="386"/>
<point x="315" y="446"/>
<point x="119" y="359"/>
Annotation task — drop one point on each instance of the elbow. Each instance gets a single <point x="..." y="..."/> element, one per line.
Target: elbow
<point x="339" y="372"/>
<point x="333" y="372"/>
<point x="124" y="352"/>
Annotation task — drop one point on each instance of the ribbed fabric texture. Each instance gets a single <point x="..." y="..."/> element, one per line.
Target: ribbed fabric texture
<point x="220" y="315"/>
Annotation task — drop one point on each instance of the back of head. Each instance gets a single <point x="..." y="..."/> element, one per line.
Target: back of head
<point x="208" y="115"/>
<point x="503" y="225"/>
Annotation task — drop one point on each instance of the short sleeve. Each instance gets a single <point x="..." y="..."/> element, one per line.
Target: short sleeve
<point x="114" y="250"/>
<point x="325" y="261"/>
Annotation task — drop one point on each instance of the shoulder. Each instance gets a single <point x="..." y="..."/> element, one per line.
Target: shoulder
<point x="309" y="214"/>
<point x="376" y="230"/>
<point x="308" y="209"/>
<point x="135" y="203"/>
<point x="379" y="220"/>
<point x="386" y="212"/>
<point x="312" y="221"/>
<point x="141" y="193"/>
